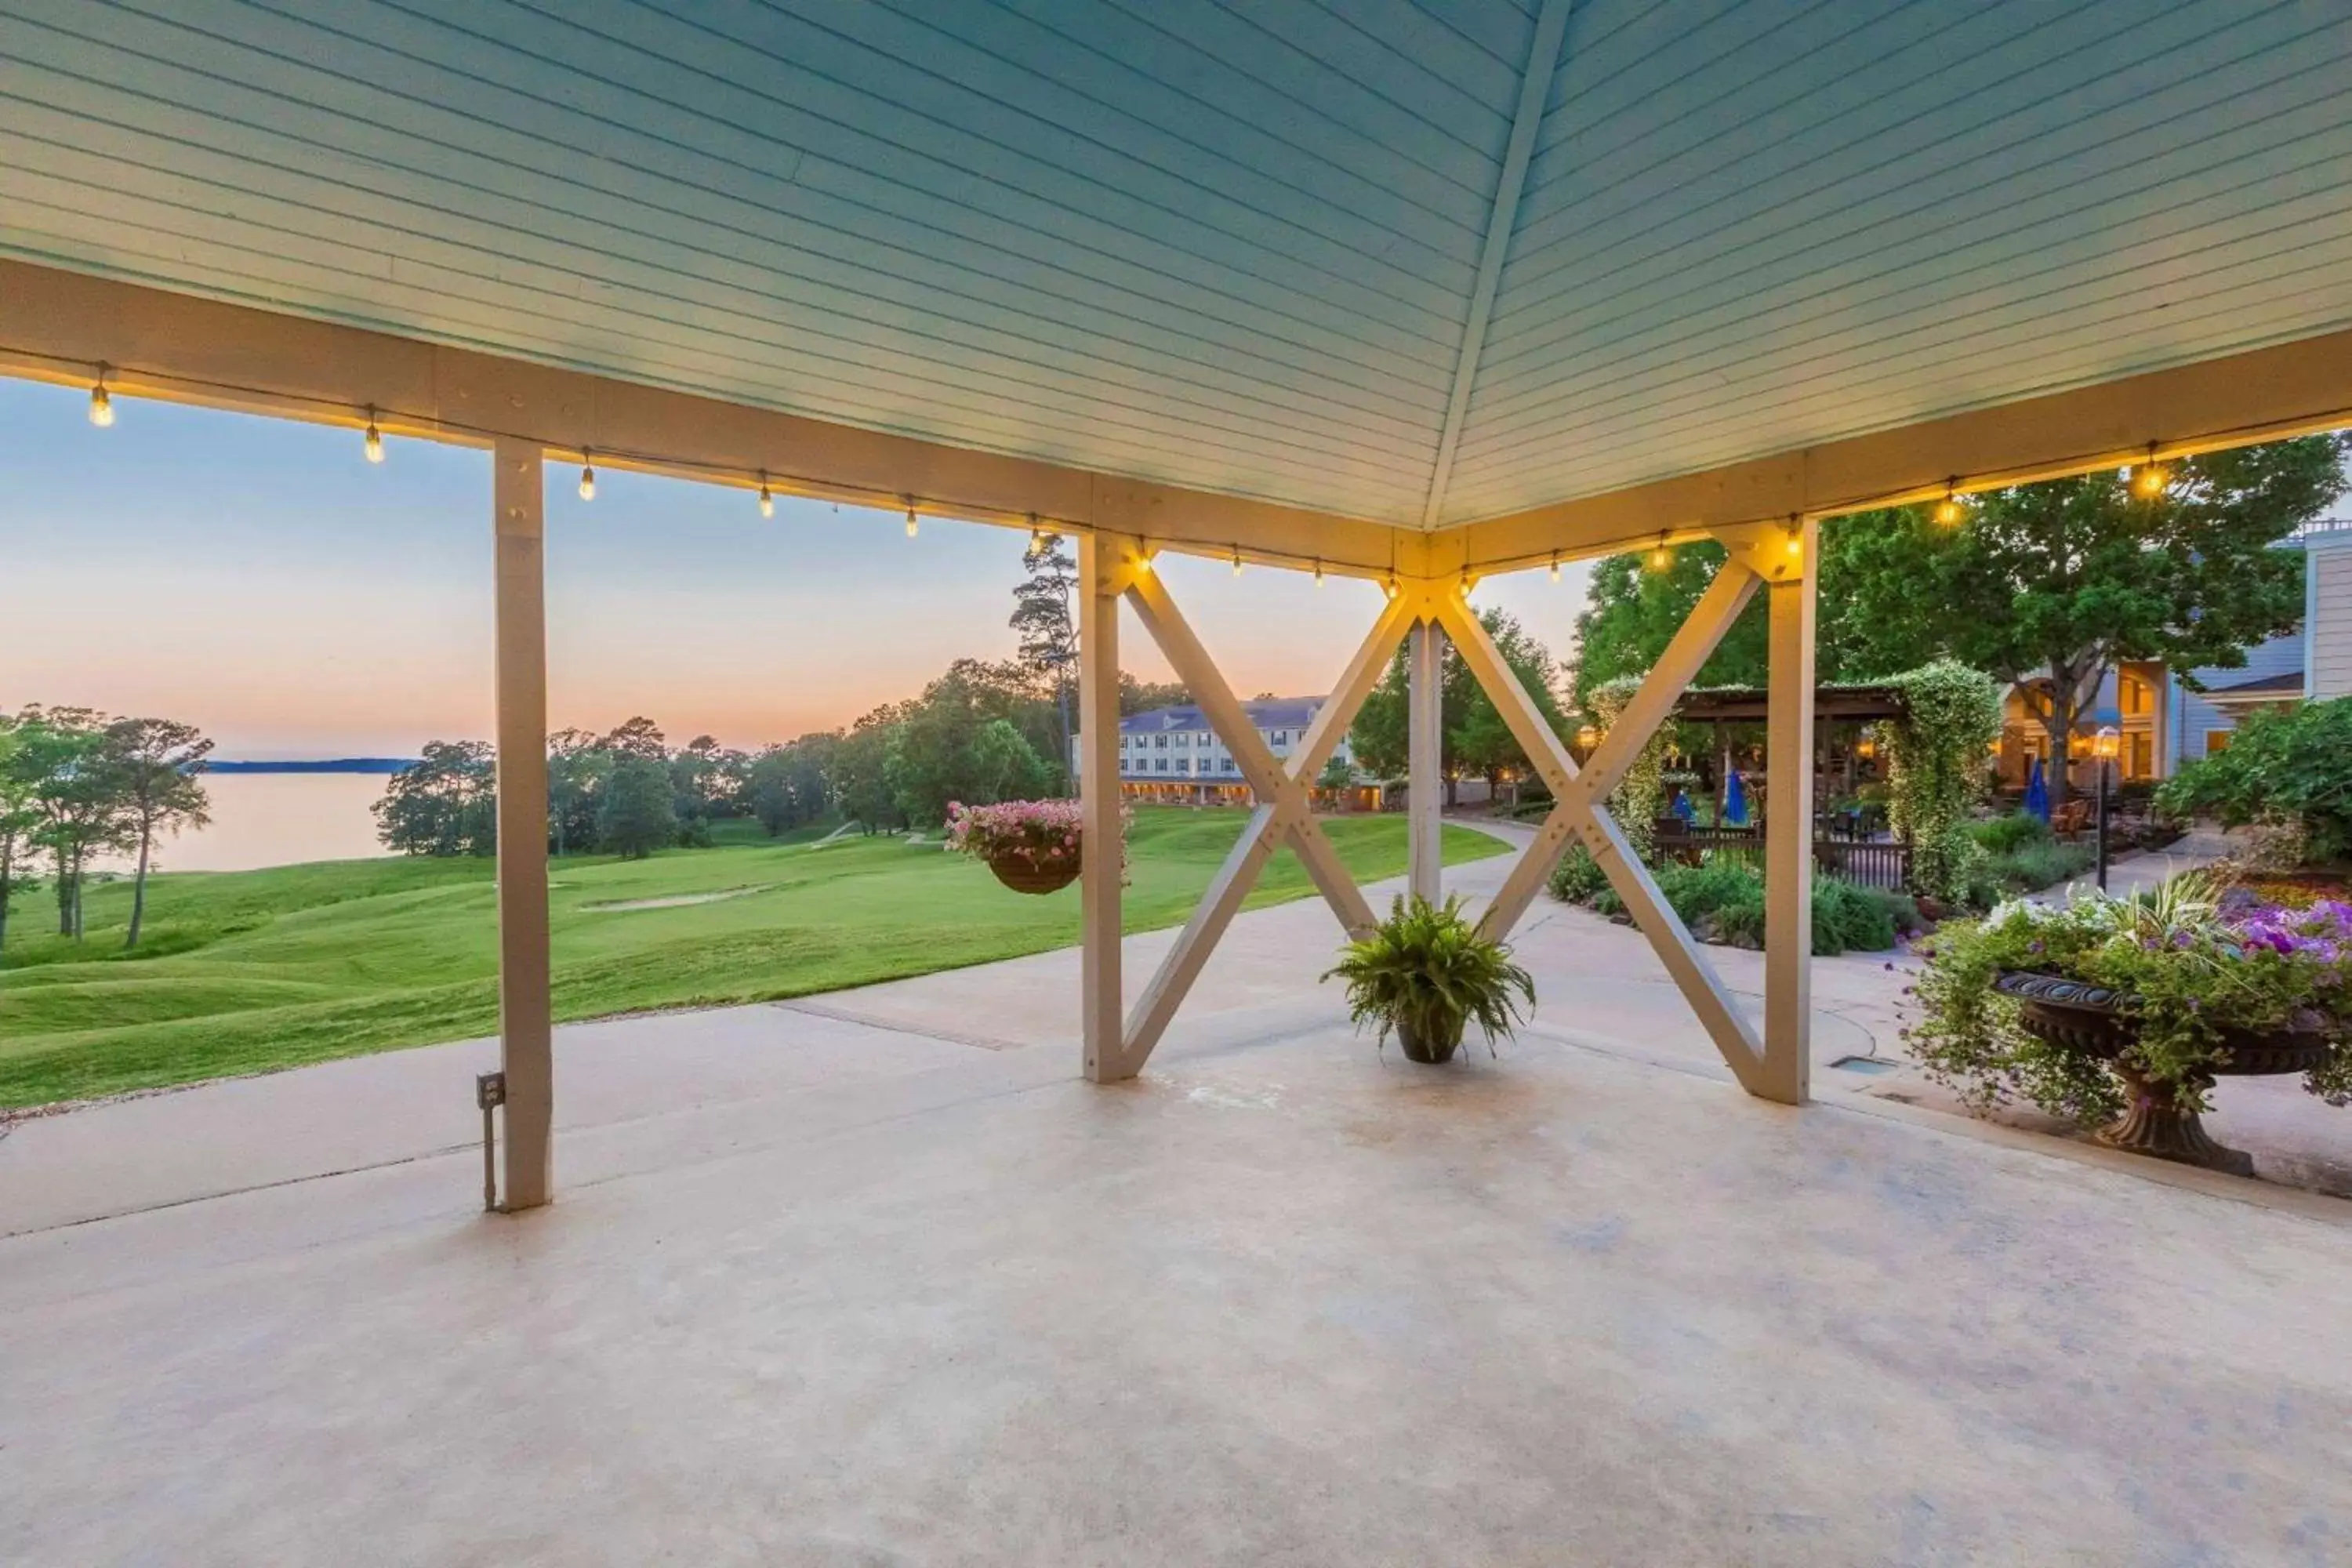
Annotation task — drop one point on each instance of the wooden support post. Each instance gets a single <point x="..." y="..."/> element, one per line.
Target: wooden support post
<point x="526" y="1028"/>
<point x="1425" y="766"/>
<point x="1788" y="833"/>
<point x="1102" y="564"/>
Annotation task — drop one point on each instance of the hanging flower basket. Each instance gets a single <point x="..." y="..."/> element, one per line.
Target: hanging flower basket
<point x="1032" y="845"/>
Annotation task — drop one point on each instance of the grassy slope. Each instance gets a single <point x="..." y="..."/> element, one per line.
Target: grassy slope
<point x="242" y="972"/>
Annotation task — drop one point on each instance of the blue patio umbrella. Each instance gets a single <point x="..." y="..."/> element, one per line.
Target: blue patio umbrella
<point x="1682" y="807"/>
<point x="1735" y="800"/>
<point x="2037" y="792"/>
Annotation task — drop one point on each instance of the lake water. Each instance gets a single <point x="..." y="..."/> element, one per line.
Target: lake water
<point x="276" y="819"/>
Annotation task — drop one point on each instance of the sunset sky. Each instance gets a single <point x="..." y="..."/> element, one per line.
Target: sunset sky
<point x="259" y="578"/>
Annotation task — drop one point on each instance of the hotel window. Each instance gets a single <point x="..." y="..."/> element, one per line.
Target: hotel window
<point x="1161" y="741"/>
<point x="2135" y="696"/>
<point x="2216" y="740"/>
<point x="2143" y="755"/>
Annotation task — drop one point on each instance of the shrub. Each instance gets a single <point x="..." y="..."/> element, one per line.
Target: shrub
<point x="2015" y="831"/>
<point x="2290" y="768"/>
<point x="1578" y="878"/>
<point x="1847" y="919"/>
<point x="2040" y="866"/>
<point x="1936" y="770"/>
<point x="1722" y="901"/>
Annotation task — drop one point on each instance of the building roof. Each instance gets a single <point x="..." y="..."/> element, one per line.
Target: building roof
<point x="1420" y="263"/>
<point x="1266" y="713"/>
<point x="2266" y="689"/>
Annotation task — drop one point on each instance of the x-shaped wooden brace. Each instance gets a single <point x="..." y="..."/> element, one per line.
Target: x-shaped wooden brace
<point x="1284" y="813"/>
<point x="1579" y="793"/>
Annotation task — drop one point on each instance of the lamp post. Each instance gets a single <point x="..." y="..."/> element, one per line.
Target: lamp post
<point x="1587" y="737"/>
<point x="2105" y="746"/>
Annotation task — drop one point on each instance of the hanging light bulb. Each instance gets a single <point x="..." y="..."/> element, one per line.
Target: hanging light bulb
<point x="767" y="496"/>
<point x="1318" y="574"/>
<point x="1036" y="535"/>
<point x="1796" y="537"/>
<point x="374" y="446"/>
<point x="1555" y="565"/>
<point x="1388" y="587"/>
<point x="1237" y="560"/>
<point x="587" y="475"/>
<point x="911" y="521"/>
<point x="1660" y="556"/>
<point x="2151" y="478"/>
<point x="102" y="407"/>
<point x="1949" y="512"/>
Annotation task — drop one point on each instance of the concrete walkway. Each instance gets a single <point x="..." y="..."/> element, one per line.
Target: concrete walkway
<point x="876" y="1278"/>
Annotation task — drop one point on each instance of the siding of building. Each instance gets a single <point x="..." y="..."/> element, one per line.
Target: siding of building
<point x="2329" y="612"/>
<point x="2195" y="718"/>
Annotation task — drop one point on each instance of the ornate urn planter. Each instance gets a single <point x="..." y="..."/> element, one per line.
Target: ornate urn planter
<point x="2096" y="1022"/>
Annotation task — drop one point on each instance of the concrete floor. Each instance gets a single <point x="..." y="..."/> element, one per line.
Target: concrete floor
<point x="874" y="1279"/>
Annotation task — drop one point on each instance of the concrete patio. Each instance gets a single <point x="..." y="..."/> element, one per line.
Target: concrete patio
<point x="877" y="1279"/>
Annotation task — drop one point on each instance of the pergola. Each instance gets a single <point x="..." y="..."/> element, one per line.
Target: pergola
<point x="1413" y="293"/>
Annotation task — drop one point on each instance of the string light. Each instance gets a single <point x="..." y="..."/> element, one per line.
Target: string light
<point x="102" y="407"/>
<point x="1388" y="587"/>
<point x="1555" y="565"/>
<point x="1237" y="560"/>
<point x="1796" y="536"/>
<point x="912" y="522"/>
<point x="1318" y="572"/>
<point x="1036" y="535"/>
<point x="1949" y="512"/>
<point x="2152" y="477"/>
<point x="1660" y="556"/>
<point x="375" y="442"/>
<point x="767" y="497"/>
<point x="587" y="475"/>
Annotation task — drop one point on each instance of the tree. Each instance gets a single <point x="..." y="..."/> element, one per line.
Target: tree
<point x="577" y="765"/>
<point x="1145" y="696"/>
<point x="1475" y="738"/>
<point x="2047" y="586"/>
<point x="861" y="768"/>
<point x="640" y="737"/>
<point x="18" y="817"/>
<point x="637" y="814"/>
<point x="446" y="802"/>
<point x="1040" y="614"/>
<point x="707" y="782"/>
<point x="75" y="806"/>
<point x="152" y="766"/>
<point x="792" y="783"/>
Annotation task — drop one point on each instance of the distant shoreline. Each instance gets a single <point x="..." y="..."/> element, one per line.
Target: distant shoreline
<point x="331" y="765"/>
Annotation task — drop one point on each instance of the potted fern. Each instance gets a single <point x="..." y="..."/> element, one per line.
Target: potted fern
<point x="1427" y="972"/>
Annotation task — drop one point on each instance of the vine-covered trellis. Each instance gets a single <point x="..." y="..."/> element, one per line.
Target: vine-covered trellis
<point x="1935" y="769"/>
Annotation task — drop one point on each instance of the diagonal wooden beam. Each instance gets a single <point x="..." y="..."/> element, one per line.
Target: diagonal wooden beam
<point x="1579" y="811"/>
<point x="1231" y="886"/>
<point x="1675" y="948"/>
<point x="1708" y="623"/>
<point x="1284" y="811"/>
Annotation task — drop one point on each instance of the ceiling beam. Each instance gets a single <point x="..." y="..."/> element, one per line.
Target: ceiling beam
<point x="59" y="326"/>
<point x="1535" y="90"/>
<point x="2289" y="389"/>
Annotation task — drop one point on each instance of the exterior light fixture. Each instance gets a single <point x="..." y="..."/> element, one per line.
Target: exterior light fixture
<point x="1555" y="565"/>
<point x="587" y="475"/>
<point x="1318" y="574"/>
<point x="1865" y="748"/>
<point x="2151" y="479"/>
<point x="1036" y="535"/>
<point x="1588" y="737"/>
<point x="102" y="407"/>
<point x="374" y="446"/>
<point x="1237" y="560"/>
<point x="2107" y="745"/>
<point x="911" y="524"/>
<point x="1660" y="556"/>
<point x="1949" y="512"/>
<point x="767" y="497"/>
<point x="1796" y="537"/>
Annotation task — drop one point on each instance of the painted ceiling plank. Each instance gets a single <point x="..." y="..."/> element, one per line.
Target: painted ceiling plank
<point x="535" y="84"/>
<point x="988" y="344"/>
<point x="1535" y="90"/>
<point x="2017" y="117"/>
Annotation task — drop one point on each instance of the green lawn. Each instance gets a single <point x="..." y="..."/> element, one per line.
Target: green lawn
<point x="244" y="972"/>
